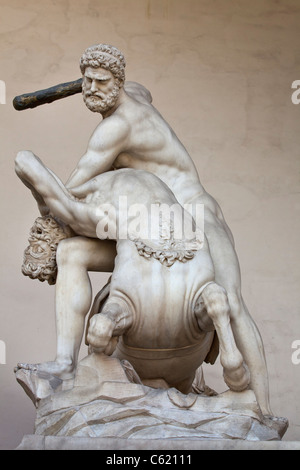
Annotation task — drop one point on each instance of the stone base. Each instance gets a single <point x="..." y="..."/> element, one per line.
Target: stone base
<point x="135" y="412"/>
<point x="34" y="442"/>
<point x="102" y="403"/>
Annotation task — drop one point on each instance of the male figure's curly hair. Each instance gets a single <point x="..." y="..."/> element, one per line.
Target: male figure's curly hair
<point x="105" y="56"/>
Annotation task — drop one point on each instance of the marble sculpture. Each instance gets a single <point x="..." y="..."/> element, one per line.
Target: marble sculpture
<point x="134" y="207"/>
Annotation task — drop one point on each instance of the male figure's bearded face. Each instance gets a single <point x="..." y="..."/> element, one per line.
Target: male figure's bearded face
<point x="100" y="89"/>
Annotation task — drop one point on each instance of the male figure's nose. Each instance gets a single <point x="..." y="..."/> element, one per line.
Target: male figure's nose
<point x="94" y="86"/>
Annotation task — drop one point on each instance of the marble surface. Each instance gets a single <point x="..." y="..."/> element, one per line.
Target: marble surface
<point x="104" y="401"/>
<point x="244" y="139"/>
<point x="196" y="287"/>
<point x="33" y="442"/>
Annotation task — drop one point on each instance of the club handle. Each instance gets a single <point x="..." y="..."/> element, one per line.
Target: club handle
<point x="57" y="92"/>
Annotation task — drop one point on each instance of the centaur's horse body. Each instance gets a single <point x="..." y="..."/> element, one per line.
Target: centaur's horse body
<point x="162" y="307"/>
<point x="159" y="332"/>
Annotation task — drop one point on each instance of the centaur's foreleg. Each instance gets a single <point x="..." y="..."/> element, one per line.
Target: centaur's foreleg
<point x="216" y="311"/>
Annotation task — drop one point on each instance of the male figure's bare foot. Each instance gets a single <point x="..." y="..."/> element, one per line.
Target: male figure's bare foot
<point x="62" y="369"/>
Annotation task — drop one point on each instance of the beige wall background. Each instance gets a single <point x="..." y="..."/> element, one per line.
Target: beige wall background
<point x="220" y="72"/>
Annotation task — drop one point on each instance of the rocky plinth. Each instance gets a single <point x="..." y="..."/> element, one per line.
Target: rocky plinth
<point x="103" y="402"/>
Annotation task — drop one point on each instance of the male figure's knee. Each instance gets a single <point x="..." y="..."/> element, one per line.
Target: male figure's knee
<point x="69" y="251"/>
<point x="22" y="162"/>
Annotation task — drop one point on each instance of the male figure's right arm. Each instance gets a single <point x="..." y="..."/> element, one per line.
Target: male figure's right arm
<point x="106" y="143"/>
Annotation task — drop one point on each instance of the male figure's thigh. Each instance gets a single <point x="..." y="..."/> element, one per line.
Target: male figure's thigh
<point x="90" y="253"/>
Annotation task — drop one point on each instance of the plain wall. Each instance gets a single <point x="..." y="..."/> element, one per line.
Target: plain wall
<point x="220" y="72"/>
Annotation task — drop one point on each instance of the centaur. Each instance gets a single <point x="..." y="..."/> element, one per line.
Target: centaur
<point x="164" y="310"/>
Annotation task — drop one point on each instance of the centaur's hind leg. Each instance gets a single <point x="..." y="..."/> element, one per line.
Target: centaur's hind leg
<point x="236" y="374"/>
